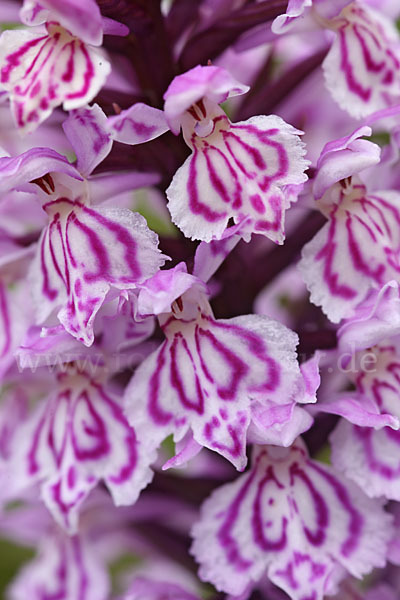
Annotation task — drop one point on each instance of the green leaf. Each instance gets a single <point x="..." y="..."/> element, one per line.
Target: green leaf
<point x="12" y="558"/>
<point x="4" y="26"/>
<point x="155" y="219"/>
<point x="382" y="138"/>
<point x="324" y="454"/>
<point x="120" y="567"/>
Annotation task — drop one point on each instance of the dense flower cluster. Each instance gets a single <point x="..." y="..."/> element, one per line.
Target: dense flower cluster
<point x="200" y="299"/>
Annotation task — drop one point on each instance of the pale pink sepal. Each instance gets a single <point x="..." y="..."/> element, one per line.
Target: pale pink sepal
<point x="185" y="450"/>
<point x="209" y="256"/>
<point x="86" y="130"/>
<point x="138" y="124"/>
<point x="357" y="409"/>
<point x="343" y="158"/>
<point x="295" y="10"/>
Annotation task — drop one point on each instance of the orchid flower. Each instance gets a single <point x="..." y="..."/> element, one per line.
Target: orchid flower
<point x="247" y="171"/>
<point x="357" y="250"/>
<point x="74" y="439"/>
<point x="65" y="567"/>
<point x="375" y="453"/>
<point x="298" y="521"/>
<point x="200" y="384"/>
<point x="361" y="68"/>
<point x="58" y="63"/>
<point x="74" y="268"/>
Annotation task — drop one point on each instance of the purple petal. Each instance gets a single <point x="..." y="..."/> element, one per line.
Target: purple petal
<point x="14" y="321"/>
<point x="144" y="588"/>
<point x="359" y="410"/>
<point x="278" y="424"/>
<point x="375" y="319"/>
<point x="375" y="455"/>
<point x="375" y="458"/>
<point x="111" y="27"/>
<point x="343" y="158"/>
<point x="65" y="568"/>
<point x="295" y="9"/>
<point x="82" y="19"/>
<point x="158" y="293"/>
<point x="209" y="256"/>
<point x="185" y="449"/>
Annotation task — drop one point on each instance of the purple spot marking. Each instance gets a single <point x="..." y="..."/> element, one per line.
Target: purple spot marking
<point x="71" y="477"/>
<point x="197" y="207"/>
<point x="316" y="538"/>
<point x="224" y="534"/>
<point x="257" y="516"/>
<point x="185" y="356"/>
<point x="327" y="253"/>
<point x="68" y="74"/>
<point x="346" y="66"/>
<point x="159" y="416"/>
<point x="33" y="466"/>
<point x="13" y="60"/>
<point x="356" y="521"/>
<point x="51" y="293"/>
<point x="88" y="76"/>
<point x="95" y="431"/>
<point x="238" y="368"/>
<point x="141" y="129"/>
<point x="129" y="439"/>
